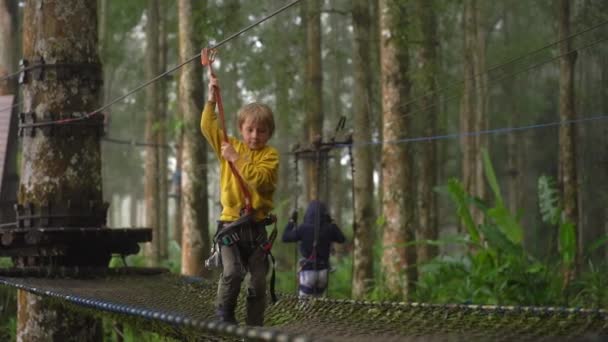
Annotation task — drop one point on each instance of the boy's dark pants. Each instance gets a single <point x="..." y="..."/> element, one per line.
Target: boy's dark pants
<point x="241" y="257"/>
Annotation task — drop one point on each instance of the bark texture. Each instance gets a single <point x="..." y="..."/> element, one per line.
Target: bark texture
<point x="363" y="224"/>
<point x="55" y="169"/>
<point x="163" y="172"/>
<point x="195" y="211"/>
<point x="8" y="44"/>
<point x="427" y="175"/>
<point x="474" y="104"/>
<point x="151" y="174"/>
<point x="399" y="262"/>
<point x="567" y="132"/>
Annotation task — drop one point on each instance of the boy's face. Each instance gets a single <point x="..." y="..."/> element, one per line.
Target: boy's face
<point x="255" y="134"/>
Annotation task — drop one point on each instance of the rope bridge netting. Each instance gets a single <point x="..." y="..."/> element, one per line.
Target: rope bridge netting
<point x="184" y="306"/>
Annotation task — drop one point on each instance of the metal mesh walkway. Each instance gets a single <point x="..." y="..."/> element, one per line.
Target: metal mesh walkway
<point x="184" y="306"/>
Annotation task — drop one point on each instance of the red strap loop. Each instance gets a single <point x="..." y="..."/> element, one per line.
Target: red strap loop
<point x="207" y="58"/>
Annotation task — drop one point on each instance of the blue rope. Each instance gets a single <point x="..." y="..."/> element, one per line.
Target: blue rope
<point x="501" y="130"/>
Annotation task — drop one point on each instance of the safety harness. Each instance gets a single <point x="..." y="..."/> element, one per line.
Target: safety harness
<point x="228" y="234"/>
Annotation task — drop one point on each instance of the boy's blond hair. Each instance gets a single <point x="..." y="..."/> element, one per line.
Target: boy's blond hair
<point x="258" y="112"/>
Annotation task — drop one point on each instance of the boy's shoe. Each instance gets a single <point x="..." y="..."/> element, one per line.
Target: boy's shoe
<point x="225" y="316"/>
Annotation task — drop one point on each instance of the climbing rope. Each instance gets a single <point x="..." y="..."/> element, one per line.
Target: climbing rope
<point x="160" y="76"/>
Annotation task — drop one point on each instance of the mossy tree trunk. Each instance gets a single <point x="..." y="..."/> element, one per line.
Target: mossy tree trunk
<point x="8" y="44"/>
<point x="55" y="169"/>
<point x="427" y="160"/>
<point x="195" y="211"/>
<point x="163" y="172"/>
<point x="474" y="104"/>
<point x="398" y="260"/>
<point x="363" y="225"/>
<point x="567" y="133"/>
<point x="151" y="174"/>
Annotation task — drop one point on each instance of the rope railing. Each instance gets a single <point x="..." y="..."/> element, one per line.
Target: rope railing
<point x="187" y="305"/>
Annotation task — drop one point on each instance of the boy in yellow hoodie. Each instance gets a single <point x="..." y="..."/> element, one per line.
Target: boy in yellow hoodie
<point x="257" y="164"/>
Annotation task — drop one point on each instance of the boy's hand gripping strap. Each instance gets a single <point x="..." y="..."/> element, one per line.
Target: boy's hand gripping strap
<point x="207" y="58"/>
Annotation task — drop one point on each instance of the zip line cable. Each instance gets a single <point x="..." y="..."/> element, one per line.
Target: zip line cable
<point x="534" y="66"/>
<point x="147" y="83"/>
<point x="453" y="84"/>
<point x="501" y="130"/>
<point x="419" y="110"/>
<point x="437" y="137"/>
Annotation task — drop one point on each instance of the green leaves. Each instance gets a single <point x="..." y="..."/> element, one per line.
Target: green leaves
<point x="505" y="221"/>
<point x="552" y="213"/>
<point x="462" y="201"/>
<point x="548" y="200"/>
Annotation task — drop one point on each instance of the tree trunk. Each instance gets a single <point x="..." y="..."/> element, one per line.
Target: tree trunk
<point x="399" y="262"/>
<point x="313" y="92"/>
<point x="567" y="134"/>
<point x="41" y="320"/>
<point x="8" y="45"/>
<point x="176" y="181"/>
<point x="427" y="201"/>
<point x="8" y="54"/>
<point x="230" y="69"/>
<point x="363" y="225"/>
<point x="287" y="186"/>
<point x="163" y="186"/>
<point x="515" y="140"/>
<point x="473" y="105"/>
<point x="56" y="168"/>
<point x="603" y="219"/>
<point x="195" y="211"/>
<point x="151" y="175"/>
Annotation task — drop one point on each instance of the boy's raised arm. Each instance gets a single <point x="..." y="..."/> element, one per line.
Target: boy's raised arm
<point x="209" y="125"/>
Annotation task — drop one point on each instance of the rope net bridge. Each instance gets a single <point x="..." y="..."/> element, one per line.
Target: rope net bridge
<point x="183" y="307"/>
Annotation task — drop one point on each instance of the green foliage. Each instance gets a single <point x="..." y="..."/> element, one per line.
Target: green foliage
<point x="552" y="212"/>
<point x="504" y="220"/>
<point x="340" y="277"/>
<point x="548" y="200"/>
<point x="8" y="328"/>
<point x="462" y="201"/>
<point x="496" y="269"/>
<point x="591" y="288"/>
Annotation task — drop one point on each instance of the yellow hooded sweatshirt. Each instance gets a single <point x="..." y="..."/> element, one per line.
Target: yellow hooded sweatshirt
<point x="258" y="168"/>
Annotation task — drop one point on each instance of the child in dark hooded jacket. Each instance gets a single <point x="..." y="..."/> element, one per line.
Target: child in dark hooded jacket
<point x="315" y="236"/>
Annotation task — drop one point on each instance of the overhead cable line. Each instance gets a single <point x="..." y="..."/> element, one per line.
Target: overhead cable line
<point x="477" y="133"/>
<point x="440" y="137"/>
<point x="423" y="109"/>
<point x="134" y="143"/>
<point x="145" y="84"/>
<point x="499" y="66"/>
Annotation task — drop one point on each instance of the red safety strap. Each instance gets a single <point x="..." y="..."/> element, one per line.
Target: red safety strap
<point x="207" y="58"/>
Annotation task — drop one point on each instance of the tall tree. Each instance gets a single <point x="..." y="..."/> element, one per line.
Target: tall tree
<point x="514" y="155"/>
<point x="195" y="211"/>
<point x="8" y="44"/>
<point x="8" y="56"/>
<point x="398" y="260"/>
<point x="474" y="102"/>
<point x="151" y="175"/>
<point x="313" y="90"/>
<point x="427" y="176"/>
<point x="163" y="172"/>
<point x="50" y="174"/>
<point x="363" y="224"/>
<point x="567" y="133"/>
